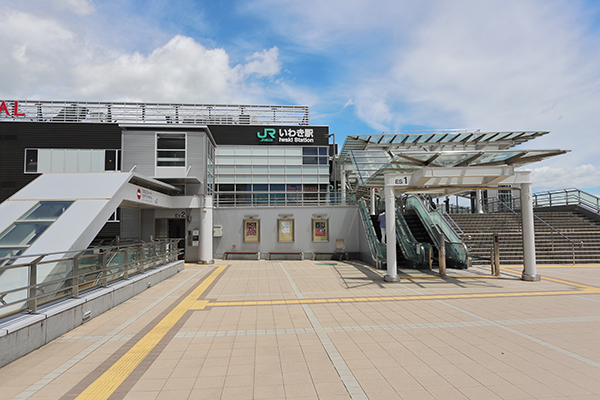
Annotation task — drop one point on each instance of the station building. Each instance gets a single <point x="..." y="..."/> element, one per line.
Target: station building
<point x="242" y="180"/>
<point x="263" y="172"/>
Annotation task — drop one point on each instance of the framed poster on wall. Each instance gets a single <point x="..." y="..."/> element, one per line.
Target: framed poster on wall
<point x="320" y="230"/>
<point x="285" y="230"/>
<point x="251" y="231"/>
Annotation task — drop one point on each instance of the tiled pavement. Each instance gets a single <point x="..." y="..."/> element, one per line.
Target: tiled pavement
<point x="330" y="330"/>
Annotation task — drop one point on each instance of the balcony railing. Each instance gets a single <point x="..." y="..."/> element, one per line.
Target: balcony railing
<point x="22" y="287"/>
<point x="154" y="113"/>
<point x="280" y="199"/>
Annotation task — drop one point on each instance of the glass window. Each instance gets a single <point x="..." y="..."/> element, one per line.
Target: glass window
<point x="277" y="188"/>
<point x="310" y="160"/>
<point x="243" y="178"/>
<point x="47" y="210"/>
<point x="260" y="151"/>
<point x="225" y="151"/>
<point x="277" y="161"/>
<point x="295" y="169"/>
<point x="293" y="161"/>
<point x="260" y="188"/>
<point x="277" y="169"/>
<point x="243" y="151"/>
<point x="170" y="149"/>
<point x="310" y="151"/>
<point x="294" y="178"/>
<point x="276" y="151"/>
<point x="225" y="188"/>
<point x="226" y="178"/>
<point x="323" y="151"/>
<point x="277" y="179"/>
<point x="261" y="178"/>
<point x="222" y="160"/>
<point x="260" y="169"/>
<point x="243" y="188"/>
<point x="243" y="160"/>
<point x="293" y="151"/>
<point x="243" y="169"/>
<point x="31" y="160"/>
<point x="323" y="161"/>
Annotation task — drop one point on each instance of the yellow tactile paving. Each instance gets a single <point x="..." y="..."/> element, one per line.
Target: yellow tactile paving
<point x="108" y="382"/>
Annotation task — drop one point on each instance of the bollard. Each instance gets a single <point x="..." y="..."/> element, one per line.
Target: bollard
<point x="442" y="258"/>
<point x="496" y="255"/>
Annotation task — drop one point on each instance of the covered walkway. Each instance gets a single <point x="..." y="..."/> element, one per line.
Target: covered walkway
<point x="330" y="330"/>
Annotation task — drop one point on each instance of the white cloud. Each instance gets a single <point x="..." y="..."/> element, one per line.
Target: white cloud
<point x="46" y="59"/>
<point x="581" y="177"/>
<point x="78" y="7"/>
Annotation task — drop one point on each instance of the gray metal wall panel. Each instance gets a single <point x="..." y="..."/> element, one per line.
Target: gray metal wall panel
<point x="147" y="224"/>
<point x="130" y="223"/>
<point x="196" y="154"/>
<point x="139" y="149"/>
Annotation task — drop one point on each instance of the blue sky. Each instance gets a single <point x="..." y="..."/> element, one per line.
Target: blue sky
<point x="363" y="66"/>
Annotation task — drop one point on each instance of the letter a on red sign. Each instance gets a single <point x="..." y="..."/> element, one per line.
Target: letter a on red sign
<point x="3" y="108"/>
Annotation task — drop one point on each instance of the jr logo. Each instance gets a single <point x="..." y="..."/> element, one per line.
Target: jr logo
<point x="268" y="135"/>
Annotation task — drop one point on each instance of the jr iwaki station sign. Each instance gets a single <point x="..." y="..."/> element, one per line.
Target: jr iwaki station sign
<point x="270" y="135"/>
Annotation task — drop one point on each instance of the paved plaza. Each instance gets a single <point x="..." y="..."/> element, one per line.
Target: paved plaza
<point x="331" y="330"/>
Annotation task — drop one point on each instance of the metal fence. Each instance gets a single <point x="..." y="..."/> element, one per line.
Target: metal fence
<point x="281" y="199"/>
<point x="154" y="113"/>
<point x="565" y="197"/>
<point x="29" y="281"/>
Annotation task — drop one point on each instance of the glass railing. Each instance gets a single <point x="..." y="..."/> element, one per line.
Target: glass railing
<point x="378" y="249"/>
<point x="68" y="274"/>
<point x="440" y="232"/>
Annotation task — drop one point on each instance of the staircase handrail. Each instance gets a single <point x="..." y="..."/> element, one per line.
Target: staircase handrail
<point x="551" y="227"/>
<point x="449" y="219"/>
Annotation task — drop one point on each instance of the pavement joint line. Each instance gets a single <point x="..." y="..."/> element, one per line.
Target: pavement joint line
<point x="346" y="376"/>
<point x="111" y="379"/>
<point x="531" y="338"/>
<point x="64" y="367"/>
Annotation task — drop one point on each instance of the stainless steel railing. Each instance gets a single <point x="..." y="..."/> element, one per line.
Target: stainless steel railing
<point x="279" y="199"/>
<point x="152" y="113"/>
<point x="29" y="281"/>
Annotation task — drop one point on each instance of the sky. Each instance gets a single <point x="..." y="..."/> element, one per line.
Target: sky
<point x="362" y="66"/>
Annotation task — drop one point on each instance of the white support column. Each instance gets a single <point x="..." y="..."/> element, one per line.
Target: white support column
<point x="390" y="223"/>
<point x="373" y="200"/>
<point x="530" y="268"/>
<point x="206" y="231"/>
<point x="479" y="205"/>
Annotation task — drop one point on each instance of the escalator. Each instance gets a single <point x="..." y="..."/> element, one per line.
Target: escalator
<point x="411" y="253"/>
<point x="428" y="226"/>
